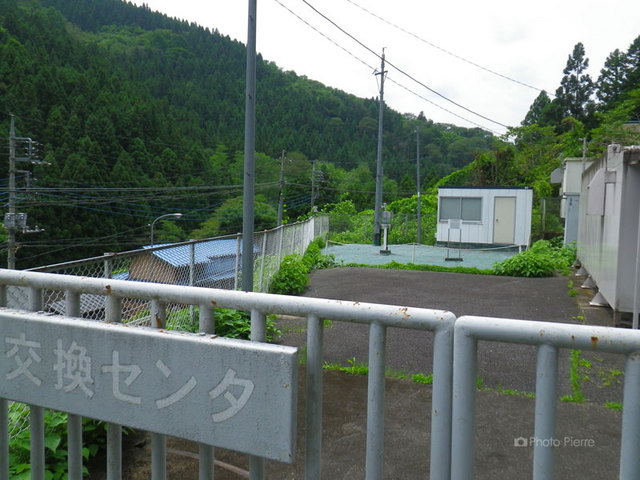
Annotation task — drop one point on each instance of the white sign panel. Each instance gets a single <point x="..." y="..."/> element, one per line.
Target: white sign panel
<point x="229" y="393"/>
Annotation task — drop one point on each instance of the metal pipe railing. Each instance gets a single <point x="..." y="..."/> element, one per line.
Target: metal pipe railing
<point x="548" y="337"/>
<point x="380" y="317"/>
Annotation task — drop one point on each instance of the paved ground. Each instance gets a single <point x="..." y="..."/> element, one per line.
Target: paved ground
<point x="589" y="432"/>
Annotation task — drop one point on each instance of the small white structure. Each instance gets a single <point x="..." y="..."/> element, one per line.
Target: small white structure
<point x="609" y="237"/>
<point x="497" y="216"/>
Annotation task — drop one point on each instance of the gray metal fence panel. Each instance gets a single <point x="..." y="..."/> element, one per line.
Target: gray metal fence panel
<point x="116" y="294"/>
<point x="548" y="337"/>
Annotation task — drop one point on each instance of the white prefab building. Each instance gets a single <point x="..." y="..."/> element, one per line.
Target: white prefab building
<point x="481" y="216"/>
<point x="609" y="237"/>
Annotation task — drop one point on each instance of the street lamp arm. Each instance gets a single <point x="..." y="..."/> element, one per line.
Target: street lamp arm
<point x="162" y="217"/>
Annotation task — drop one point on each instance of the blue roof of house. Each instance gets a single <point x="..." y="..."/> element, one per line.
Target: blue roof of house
<point x="204" y="252"/>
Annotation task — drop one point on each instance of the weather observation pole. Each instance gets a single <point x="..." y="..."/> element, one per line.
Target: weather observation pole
<point x="419" y="216"/>
<point x="249" y="153"/>
<point x="378" y="207"/>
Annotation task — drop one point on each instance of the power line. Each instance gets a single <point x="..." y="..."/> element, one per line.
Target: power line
<point x="431" y="44"/>
<point x="400" y="69"/>
<point x="326" y="37"/>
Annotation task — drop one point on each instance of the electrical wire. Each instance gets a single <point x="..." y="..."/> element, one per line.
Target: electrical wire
<point x="402" y="71"/>
<point x="444" y="50"/>
<point x="326" y="37"/>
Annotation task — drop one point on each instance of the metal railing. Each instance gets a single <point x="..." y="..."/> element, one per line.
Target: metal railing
<point x="549" y="338"/>
<point x="118" y="295"/>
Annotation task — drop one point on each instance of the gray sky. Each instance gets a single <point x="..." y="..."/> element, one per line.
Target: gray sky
<point x="436" y="43"/>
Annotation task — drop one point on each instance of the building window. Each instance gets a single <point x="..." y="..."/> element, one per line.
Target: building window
<point x="464" y="208"/>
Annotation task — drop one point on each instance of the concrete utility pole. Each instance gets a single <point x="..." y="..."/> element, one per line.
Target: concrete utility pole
<point x="17" y="221"/>
<point x="281" y="195"/>
<point x="378" y="199"/>
<point x="249" y="153"/>
<point x="9" y="220"/>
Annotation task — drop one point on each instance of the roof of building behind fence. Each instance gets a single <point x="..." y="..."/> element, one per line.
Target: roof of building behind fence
<point x="204" y="252"/>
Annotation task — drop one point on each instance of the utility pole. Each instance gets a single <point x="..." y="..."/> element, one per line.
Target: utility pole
<point x="17" y="221"/>
<point x="378" y="199"/>
<point x="418" y="185"/>
<point x="281" y="196"/>
<point x="248" y="192"/>
<point x="9" y="220"/>
<point x="313" y="183"/>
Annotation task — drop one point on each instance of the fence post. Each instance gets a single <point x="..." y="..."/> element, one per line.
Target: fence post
<point x="258" y="334"/>
<point x="207" y="452"/>
<point x="375" y="401"/>
<point x="545" y="413"/>
<point x="4" y="438"/>
<point x="629" y="459"/>
<point x="313" y="421"/>
<point x="238" y="250"/>
<point x="158" y="441"/>
<point x="37" y="413"/>
<point x="74" y="422"/>
<point x="264" y="252"/>
<point x="113" y="314"/>
<point x="108" y="264"/>
<point x="464" y="405"/>
<point x="281" y="230"/>
<point x="441" y="402"/>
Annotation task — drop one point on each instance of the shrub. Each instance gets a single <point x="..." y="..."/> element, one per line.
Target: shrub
<point x="543" y="259"/>
<point x="292" y="278"/>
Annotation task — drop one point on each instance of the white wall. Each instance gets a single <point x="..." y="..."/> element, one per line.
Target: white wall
<point x="608" y="232"/>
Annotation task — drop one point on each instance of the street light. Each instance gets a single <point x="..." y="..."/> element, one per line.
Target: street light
<point x="161" y="217"/>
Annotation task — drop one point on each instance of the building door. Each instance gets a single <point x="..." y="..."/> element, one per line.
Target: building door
<point x="504" y="220"/>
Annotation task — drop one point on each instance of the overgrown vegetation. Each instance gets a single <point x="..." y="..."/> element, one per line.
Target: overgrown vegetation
<point x="56" y="449"/>
<point x="543" y="259"/>
<point x="293" y="276"/>
<point x="229" y="323"/>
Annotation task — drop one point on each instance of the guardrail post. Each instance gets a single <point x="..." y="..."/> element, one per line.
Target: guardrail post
<point x="113" y="314"/>
<point x="158" y="441"/>
<point x="629" y="458"/>
<point x="207" y="453"/>
<point x="114" y="451"/>
<point x="313" y="457"/>
<point x="464" y="405"/>
<point x="36" y="413"/>
<point x="545" y="416"/>
<point x="441" y="402"/>
<point x="258" y="334"/>
<point x="4" y="438"/>
<point x="375" y="401"/>
<point x="74" y="422"/>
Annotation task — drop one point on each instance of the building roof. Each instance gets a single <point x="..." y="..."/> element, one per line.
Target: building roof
<point x="204" y="252"/>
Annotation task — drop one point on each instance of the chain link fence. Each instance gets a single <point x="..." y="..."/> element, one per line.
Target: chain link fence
<point x="359" y="228"/>
<point x="213" y="263"/>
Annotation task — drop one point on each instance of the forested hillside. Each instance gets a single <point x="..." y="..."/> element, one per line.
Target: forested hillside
<point x="139" y="115"/>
